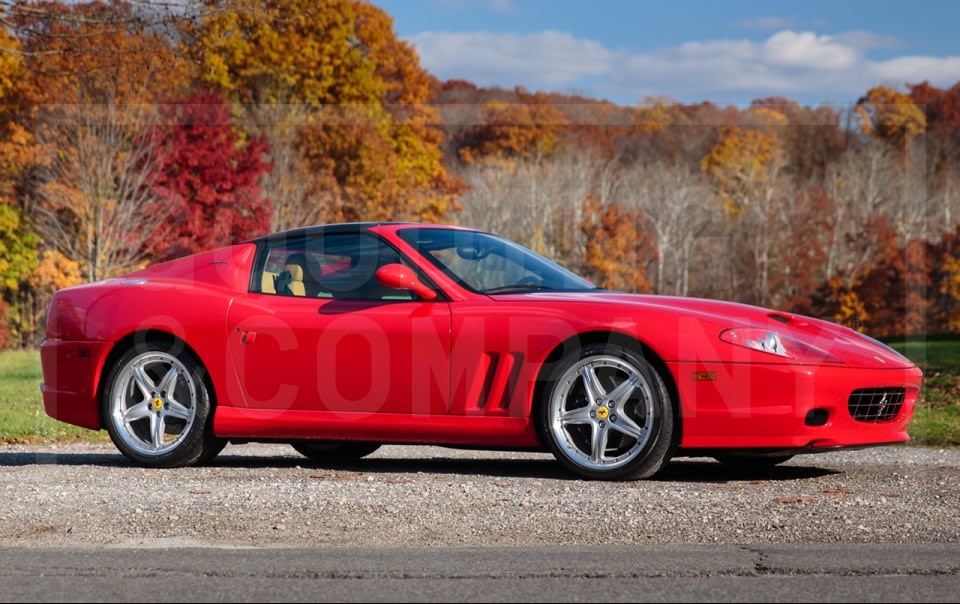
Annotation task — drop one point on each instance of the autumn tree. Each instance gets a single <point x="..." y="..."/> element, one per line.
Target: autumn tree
<point x="21" y="16"/>
<point x="950" y="287"/>
<point x="895" y="291"/>
<point x="890" y="116"/>
<point x="207" y="180"/>
<point x="941" y="110"/>
<point x="618" y="247"/>
<point x="96" y="202"/>
<point x="368" y="138"/>
<point x="18" y="240"/>
<point x="812" y="137"/>
<point x="94" y="52"/>
<point x="527" y="129"/>
<point x="95" y="75"/>
<point x="744" y="168"/>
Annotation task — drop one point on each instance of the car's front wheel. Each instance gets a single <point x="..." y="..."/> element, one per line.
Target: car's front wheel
<point x="157" y="407"/>
<point x="607" y="415"/>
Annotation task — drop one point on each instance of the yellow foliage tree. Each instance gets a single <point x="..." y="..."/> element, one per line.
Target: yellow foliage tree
<point x="742" y="165"/>
<point x="851" y="310"/>
<point x="369" y="137"/>
<point x="889" y="115"/>
<point x="268" y="51"/>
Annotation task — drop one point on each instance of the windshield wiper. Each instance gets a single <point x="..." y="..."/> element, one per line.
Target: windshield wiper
<point x="516" y="287"/>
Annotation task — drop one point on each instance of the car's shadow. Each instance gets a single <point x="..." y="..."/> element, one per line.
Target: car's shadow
<point x="681" y="470"/>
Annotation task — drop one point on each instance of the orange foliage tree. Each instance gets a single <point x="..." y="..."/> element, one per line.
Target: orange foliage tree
<point x="369" y="137"/>
<point x="619" y="247"/>
<point x="528" y="129"/>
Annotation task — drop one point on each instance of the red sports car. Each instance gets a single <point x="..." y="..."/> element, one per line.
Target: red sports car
<point x="340" y="338"/>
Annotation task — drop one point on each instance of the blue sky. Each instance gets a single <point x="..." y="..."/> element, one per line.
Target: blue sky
<point x="727" y="52"/>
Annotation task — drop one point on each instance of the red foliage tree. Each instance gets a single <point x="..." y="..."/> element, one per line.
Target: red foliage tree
<point x="208" y="179"/>
<point x="942" y="110"/>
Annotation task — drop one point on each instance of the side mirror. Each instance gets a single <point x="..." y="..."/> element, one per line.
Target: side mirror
<point x="398" y="276"/>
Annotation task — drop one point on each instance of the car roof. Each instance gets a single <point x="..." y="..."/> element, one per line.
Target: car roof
<point x="345" y="227"/>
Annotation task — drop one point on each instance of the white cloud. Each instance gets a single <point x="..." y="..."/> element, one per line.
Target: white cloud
<point x="807" y="50"/>
<point x="809" y="66"/>
<point x="547" y="59"/>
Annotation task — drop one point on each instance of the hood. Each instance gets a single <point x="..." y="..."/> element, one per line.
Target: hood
<point x="848" y="346"/>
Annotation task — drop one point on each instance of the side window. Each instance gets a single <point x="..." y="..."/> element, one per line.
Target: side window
<point x="338" y="266"/>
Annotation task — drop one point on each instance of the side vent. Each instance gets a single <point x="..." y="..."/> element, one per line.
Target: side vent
<point x="512" y="373"/>
<point x="492" y="361"/>
<point x="499" y="381"/>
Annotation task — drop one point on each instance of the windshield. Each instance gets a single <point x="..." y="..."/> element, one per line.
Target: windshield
<point x="489" y="265"/>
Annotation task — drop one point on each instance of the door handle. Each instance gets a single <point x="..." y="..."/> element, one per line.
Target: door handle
<point x="248" y="337"/>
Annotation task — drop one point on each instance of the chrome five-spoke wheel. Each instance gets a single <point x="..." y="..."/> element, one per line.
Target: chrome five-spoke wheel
<point x="157" y="407"/>
<point x="154" y="403"/>
<point x="602" y="412"/>
<point x="608" y="414"/>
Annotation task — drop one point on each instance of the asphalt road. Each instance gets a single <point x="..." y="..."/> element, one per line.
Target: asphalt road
<point x="677" y="572"/>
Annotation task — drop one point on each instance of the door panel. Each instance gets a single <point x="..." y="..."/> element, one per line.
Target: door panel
<point x="341" y="355"/>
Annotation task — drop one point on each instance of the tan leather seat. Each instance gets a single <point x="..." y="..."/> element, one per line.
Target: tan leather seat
<point x="296" y="286"/>
<point x="266" y="283"/>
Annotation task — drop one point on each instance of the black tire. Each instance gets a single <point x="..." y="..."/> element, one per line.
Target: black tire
<point x="196" y="444"/>
<point x="651" y="456"/>
<point x="751" y="461"/>
<point x="333" y="453"/>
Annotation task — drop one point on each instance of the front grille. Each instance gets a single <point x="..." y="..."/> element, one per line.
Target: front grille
<point x="876" y="404"/>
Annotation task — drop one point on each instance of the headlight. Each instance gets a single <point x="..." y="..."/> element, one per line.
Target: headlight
<point x="771" y="342"/>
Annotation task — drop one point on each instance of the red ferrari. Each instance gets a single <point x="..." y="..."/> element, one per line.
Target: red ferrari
<point x="337" y="339"/>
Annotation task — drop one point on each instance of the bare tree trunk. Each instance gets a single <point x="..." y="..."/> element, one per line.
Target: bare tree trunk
<point x="96" y="203"/>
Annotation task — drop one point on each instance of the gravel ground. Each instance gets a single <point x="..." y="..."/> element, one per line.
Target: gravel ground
<point x="267" y="495"/>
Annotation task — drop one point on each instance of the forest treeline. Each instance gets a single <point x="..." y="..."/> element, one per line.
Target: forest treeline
<point x="133" y="133"/>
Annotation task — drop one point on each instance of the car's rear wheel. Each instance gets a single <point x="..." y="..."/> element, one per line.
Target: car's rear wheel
<point x="751" y="461"/>
<point x="157" y="407"/>
<point x="329" y="453"/>
<point x="606" y="414"/>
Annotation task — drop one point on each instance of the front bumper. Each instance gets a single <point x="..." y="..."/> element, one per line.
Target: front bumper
<point x="764" y="406"/>
<point x="71" y="372"/>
